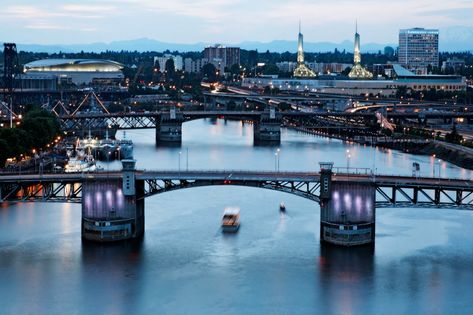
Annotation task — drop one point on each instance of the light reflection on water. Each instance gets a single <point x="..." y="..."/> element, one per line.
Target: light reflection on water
<point x="275" y="264"/>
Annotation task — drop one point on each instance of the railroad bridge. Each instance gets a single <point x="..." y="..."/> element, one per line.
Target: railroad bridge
<point x="113" y="203"/>
<point x="267" y="124"/>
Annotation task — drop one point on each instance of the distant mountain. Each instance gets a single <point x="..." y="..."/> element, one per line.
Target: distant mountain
<point x="457" y="38"/>
<point x="451" y="39"/>
<point x="146" y="44"/>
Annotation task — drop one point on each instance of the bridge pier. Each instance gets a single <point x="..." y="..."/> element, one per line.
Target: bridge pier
<point x="111" y="208"/>
<point x="169" y="129"/>
<point x="268" y="128"/>
<point x="347" y="211"/>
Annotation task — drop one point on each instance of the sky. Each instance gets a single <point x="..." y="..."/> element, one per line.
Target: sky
<point x="226" y="21"/>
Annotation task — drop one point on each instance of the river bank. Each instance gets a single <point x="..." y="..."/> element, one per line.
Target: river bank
<point x="453" y="153"/>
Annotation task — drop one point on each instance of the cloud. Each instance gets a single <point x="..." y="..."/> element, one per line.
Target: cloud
<point x="230" y="20"/>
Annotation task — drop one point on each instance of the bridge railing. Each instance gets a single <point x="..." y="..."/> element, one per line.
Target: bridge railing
<point x="353" y="170"/>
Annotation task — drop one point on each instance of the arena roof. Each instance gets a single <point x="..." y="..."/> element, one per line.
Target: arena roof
<point x="73" y="65"/>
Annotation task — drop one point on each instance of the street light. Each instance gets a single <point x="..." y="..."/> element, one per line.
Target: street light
<point x="348" y="160"/>
<point x="275" y="161"/>
<point x="187" y="159"/>
<point x="179" y="162"/>
<point x="278" y="154"/>
<point x="440" y="161"/>
<point x="433" y="166"/>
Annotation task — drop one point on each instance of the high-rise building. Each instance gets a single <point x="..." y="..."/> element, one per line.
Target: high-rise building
<point x="226" y="56"/>
<point x="419" y="49"/>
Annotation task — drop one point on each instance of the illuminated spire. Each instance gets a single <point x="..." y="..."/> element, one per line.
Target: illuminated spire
<point x="300" y="46"/>
<point x="358" y="72"/>
<point x="301" y="69"/>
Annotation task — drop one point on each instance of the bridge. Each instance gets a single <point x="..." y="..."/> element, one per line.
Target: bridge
<point x="113" y="202"/>
<point x="168" y="124"/>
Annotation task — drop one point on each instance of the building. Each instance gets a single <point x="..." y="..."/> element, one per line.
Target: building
<point x="194" y="66"/>
<point x="383" y="87"/>
<point x="301" y="70"/>
<point x="78" y="71"/>
<point x="222" y="57"/>
<point x="36" y="82"/>
<point x="328" y="68"/>
<point x="453" y="65"/>
<point x="286" y="66"/>
<point x="358" y="71"/>
<point x="419" y="49"/>
<point x="161" y="61"/>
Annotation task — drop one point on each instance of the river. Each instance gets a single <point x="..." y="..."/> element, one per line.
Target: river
<point x="421" y="264"/>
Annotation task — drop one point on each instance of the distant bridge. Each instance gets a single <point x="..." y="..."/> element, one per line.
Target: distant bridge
<point x="141" y="120"/>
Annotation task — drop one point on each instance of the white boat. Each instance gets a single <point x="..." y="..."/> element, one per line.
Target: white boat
<point x="76" y="165"/>
<point x="282" y="207"/>
<point x="231" y="220"/>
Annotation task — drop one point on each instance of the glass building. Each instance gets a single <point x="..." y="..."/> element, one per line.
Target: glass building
<point x="419" y="48"/>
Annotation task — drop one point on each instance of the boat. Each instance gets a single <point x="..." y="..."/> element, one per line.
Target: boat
<point x="282" y="207"/>
<point x="78" y="165"/>
<point x="231" y="220"/>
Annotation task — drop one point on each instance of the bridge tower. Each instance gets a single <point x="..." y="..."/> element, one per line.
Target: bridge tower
<point x="169" y="129"/>
<point x="268" y="128"/>
<point x="347" y="210"/>
<point x="112" y="209"/>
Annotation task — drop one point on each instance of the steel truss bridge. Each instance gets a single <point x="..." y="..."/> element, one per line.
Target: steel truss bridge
<point x="132" y="120"/>
<point x="391" y="191"/>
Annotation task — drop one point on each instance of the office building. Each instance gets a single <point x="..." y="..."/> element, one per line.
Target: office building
<point x="222" y="57"/>
<point x="419" y="49"/>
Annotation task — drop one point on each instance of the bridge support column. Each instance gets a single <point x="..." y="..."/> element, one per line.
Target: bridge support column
<point x="268" y="129"/>
<point x="170" y="128"/>
<point x="111" y="207"/>
<point x="347" y="211"/>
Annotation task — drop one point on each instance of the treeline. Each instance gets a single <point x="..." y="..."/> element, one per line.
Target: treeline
<point x="37" y="129"/>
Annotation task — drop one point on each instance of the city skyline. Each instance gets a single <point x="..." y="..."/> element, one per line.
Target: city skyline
<point x="187" y="22"/>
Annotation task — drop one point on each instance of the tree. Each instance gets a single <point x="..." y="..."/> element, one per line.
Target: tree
<point x="235" y="69"/>
<point x="170" y="69"/>
<point x="210" y="72"/>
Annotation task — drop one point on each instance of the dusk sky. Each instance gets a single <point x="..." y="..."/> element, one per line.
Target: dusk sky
<point x="228" y="21"/>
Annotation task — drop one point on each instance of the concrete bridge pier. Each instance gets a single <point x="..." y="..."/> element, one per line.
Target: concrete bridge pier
<point x="268" y="128"/>
<point x="169" y="129"/>
<point x="347" y="211"/>
<point x="112" y="209"/>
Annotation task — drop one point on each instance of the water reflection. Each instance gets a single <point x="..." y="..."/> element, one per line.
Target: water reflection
<point x="346" y="275"/>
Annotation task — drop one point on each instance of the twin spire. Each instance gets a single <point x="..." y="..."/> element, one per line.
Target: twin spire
<point x="357" y="72"/>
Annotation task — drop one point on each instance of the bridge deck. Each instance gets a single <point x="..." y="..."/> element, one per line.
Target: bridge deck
<point x="241" y="175"/>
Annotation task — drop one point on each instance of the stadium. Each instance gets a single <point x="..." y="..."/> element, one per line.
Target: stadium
<point x="78" y="71"/>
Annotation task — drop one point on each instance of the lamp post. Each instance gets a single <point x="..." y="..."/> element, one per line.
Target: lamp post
<point x="348" y="160"/>
<point x="278" y="154"/>
<point x="433" y="166"/>
<point x="440" y="161"/>
<point x="179" y="162"/>
<point x="275" y="161"/>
